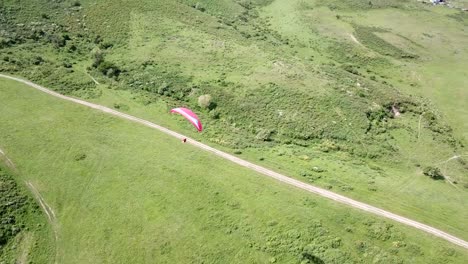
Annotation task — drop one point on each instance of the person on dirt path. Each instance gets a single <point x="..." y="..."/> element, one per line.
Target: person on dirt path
<point x="184" y="140"/>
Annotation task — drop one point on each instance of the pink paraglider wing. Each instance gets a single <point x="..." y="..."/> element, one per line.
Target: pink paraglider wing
<point x="190" y="116"/>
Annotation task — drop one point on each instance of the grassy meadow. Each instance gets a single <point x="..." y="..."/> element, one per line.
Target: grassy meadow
<point x="303" y="87"/>
<point x="126" y="193"/>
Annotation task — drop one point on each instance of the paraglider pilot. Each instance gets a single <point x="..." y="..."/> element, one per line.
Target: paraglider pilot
<point x="190" y="116"/>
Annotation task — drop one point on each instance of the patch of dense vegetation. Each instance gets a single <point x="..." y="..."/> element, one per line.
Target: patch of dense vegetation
<point x="367" y="4"/>
<point x="17" y="214"/>
<point x="434" y="173"/>
<point x="27" y="43"/>
<point x="367" y="35"/>
<point x="14" y="205"/>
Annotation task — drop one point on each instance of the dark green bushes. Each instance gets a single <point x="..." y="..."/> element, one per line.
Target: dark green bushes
<point x="433" y="172"/>
<point x="368" y="37"/>
<point x="6" y="42"/>
<point x="160" y="80"/>
<point x="434" y="123"/>
<point x="107" y="68"/>
<point x="207" y="102"/>
<point x="366" y="5"/>
<point x="14" y="206"/>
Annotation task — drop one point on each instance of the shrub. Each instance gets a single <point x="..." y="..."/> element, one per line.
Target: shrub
<point x="310" y="258"/>
<point x="98" y="57"/>
<point x="72" y="48"/>
<point x="121" y="106"/>
<point x="5" y="42"/>
<point x="109" y="69"/>
<point x="246" y="4"/>
<point x="38" y="60"/>
<point x="350" y="68"/>
<point x="79" y="157"/>
<point x="328" y="145"/>
<point x="433" y="172"/>
<point x="67" y="64"/>
<point x="15" y="205"/>
<point x="58" y="41"/>
<point x="199" y="7"/>
<point x="264" y="134"/>
<point x="97" y="39"/>
<point x="317" y="169"/>
<point x="214" y="114"/>
<point x="106" y="45"/>
<point x="163" y="88"/>
<point x="66" y="37"/>
<point x="206" y="101"/>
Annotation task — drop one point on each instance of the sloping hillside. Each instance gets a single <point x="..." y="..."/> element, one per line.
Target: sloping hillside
<point x="367" y="98"/>
<point x="119" y="192"/>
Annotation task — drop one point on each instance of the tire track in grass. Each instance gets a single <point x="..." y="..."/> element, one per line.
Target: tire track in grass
<point x="282" y="178"/>
<point x="8" y="161"/>
<point x="51" y="217"/>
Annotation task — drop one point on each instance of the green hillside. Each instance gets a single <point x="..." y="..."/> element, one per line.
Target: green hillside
<point x="126" y="193"/>
<point x="308" y="88"/>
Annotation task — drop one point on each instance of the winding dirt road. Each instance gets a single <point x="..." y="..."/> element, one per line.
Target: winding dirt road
<point x="322" y="192"/>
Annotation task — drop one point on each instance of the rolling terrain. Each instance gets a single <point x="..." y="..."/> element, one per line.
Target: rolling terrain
<point x="174" y="202"/>
<point x="244" y="163"/>
<point x="337" y="94"/>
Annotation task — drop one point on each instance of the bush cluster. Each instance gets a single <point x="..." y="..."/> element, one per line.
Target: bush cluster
<point x="14" y="205"/>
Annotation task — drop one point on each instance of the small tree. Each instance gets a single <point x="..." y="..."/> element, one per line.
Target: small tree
<point x="214" y="114"/>
<point x="108" y="68"/>
<point x="433" y="172"/>
<point x="264" y="134"/>
<point x="37" y="60"/>
<point x="206" y="101"/>
<point x="98" y="57"/>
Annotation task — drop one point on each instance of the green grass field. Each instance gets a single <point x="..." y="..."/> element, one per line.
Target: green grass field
<point x="399" y="187"/>
<point x="125" y="193"/>
<point x="303" y="87"/>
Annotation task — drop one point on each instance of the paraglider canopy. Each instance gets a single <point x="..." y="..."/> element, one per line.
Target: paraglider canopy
<point x="190" y="116"/>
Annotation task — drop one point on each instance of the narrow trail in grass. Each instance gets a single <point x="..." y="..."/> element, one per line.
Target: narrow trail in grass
<point x="8" y="162"/>
<point x="45" y="207"/>
<point x="322" y="192"/>
<point x="51" y="217"/>
<point x="354" y="39"/>
<point x="92" y="78"/>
